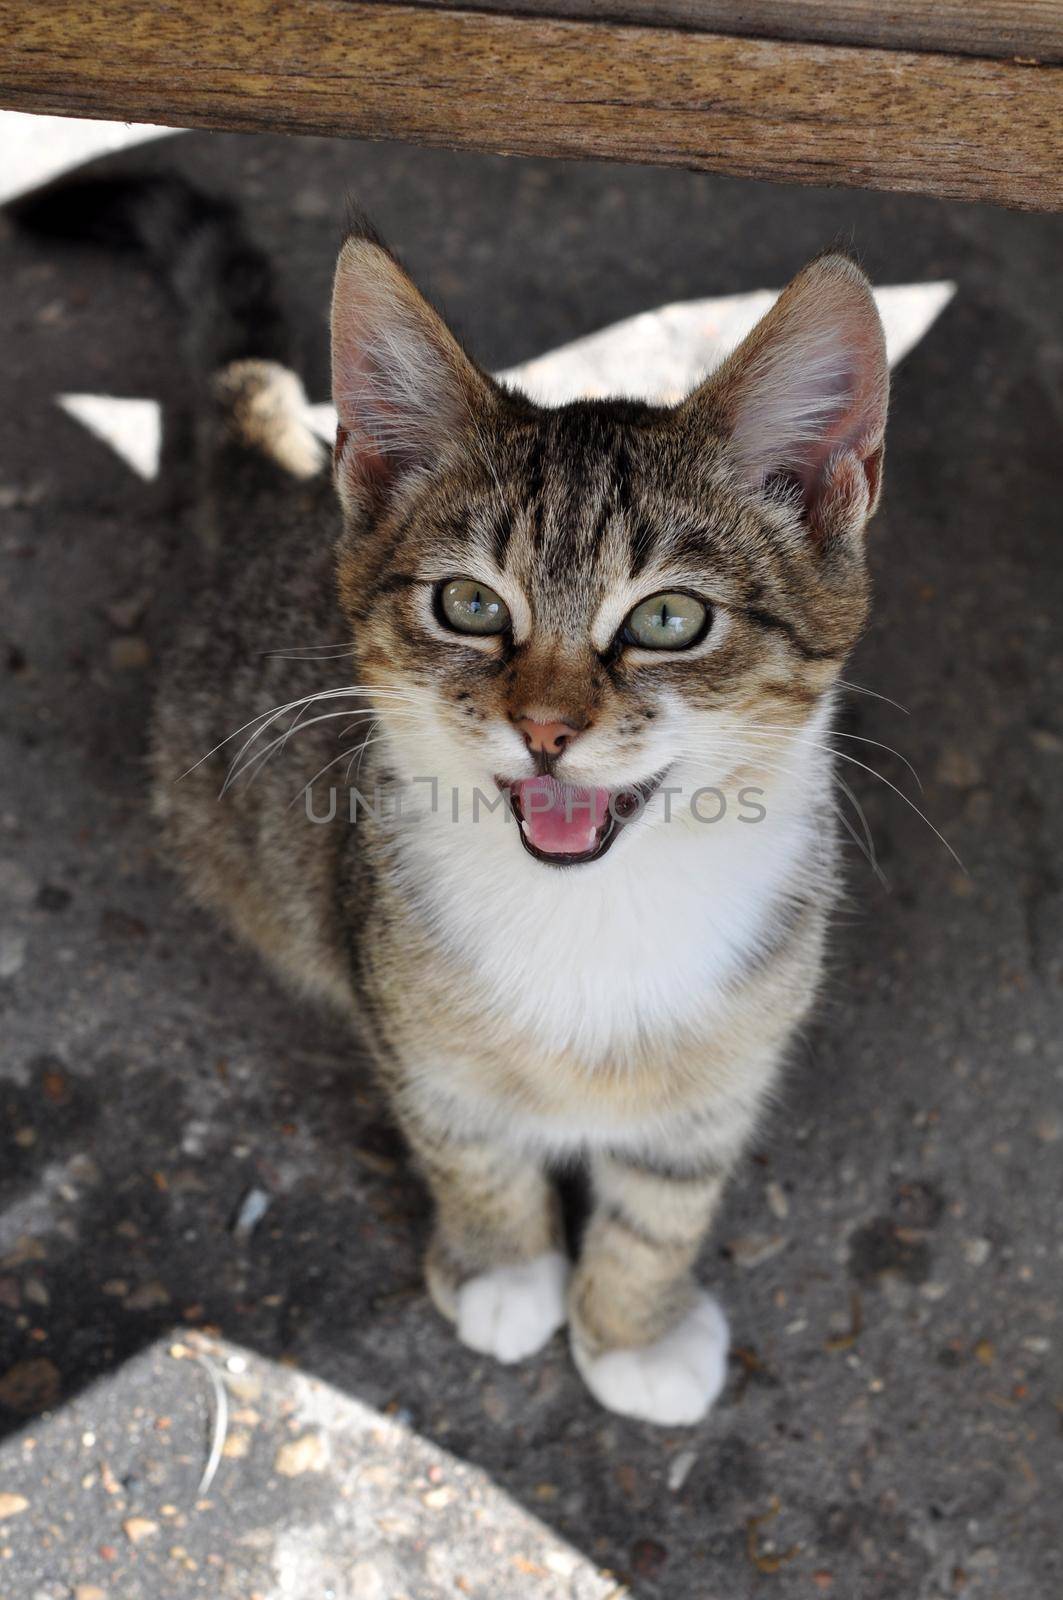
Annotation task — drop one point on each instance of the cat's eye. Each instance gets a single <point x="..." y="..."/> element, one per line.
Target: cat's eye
<point x="471" y="607"/>
<point x="667" y="622"/>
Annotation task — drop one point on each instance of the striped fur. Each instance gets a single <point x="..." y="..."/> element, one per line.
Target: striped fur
<point x="632" y="1013"/>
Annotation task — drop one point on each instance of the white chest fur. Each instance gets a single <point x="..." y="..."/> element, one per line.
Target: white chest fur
<point x="640" y="944"/>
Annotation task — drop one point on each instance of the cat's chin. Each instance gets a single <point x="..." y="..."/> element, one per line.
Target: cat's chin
<point x="605" y="812"/>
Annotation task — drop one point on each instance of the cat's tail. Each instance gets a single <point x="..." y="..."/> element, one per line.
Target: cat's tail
<point x="237" y="339"/>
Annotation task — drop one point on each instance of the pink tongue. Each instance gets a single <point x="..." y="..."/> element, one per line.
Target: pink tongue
<point x="561" y="819"/>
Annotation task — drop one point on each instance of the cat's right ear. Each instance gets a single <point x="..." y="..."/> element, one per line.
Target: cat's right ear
<point x="404" y="390"/>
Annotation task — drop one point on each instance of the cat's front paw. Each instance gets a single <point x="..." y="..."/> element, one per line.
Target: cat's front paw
<point x="511" y="1312"/>
<point x="672" y="1382"/>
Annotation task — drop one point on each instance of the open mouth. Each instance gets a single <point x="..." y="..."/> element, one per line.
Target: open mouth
<point x="568" y="824"/>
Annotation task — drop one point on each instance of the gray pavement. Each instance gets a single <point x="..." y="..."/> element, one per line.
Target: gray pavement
<point x="890" y="1255"/>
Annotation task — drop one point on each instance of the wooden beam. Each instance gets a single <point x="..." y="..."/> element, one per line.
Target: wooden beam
<point x="805" y="113"/>
<point x="1001" y="29"/>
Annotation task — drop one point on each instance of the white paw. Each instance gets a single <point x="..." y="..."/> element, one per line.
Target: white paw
<point x="672" y="1382"/>
<point x="511" y="1312"/>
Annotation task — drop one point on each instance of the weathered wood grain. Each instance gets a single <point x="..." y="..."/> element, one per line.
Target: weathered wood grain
<point x="926" y="123"/>
<point x="1032" y="29"/>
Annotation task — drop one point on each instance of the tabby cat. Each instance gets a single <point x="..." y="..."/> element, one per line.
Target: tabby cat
<point x="550" y="692"/>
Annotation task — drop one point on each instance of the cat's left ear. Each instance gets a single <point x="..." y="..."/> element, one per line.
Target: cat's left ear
<point x="803" y="398"/>
<point x="404" y="390"/>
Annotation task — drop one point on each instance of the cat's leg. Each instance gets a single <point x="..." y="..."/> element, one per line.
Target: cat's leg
<point x="647" y="1340"/>
<point x="496" y="1265"/>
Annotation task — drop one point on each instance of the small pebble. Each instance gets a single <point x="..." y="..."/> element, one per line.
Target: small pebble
<point x="306" y="1454"/>
<point x="755" y="1248"/>
<point x="958" y="768"/>
<point x="680" y="1468"/>
<point x="30" y="1386"/>
<point x="82" y="1169"/>
<point x="26" y="1248"/>
<point x="129" y="654"/>
<point x="138" y="1529"/>
<point x="12" y="953"/>
<point x="127" y="612"/>
<point x="251" y="1210"/>
<point x="55" y="1085"/>
<point x="12" y="1505"/>
<point x="148" y="1297"/>
<point x="494" y="1403"/>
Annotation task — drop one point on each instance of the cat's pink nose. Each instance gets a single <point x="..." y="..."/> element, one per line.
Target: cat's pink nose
<point x="546" y="738"/>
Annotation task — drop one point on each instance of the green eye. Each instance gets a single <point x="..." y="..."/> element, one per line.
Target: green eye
<point x="667" y="622"/>
<point x="471" y="607"/>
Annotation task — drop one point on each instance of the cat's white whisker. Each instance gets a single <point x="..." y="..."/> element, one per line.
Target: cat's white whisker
<point x="311" y="649"/>
<point x="868" y="849"/>
<point x="843" y="755"/>
<point x="267" y="717"/>
<point x="358" y="752"/>
<point x="320" y="654"/>
<point x="836" y="733"/>
<point x="858" y="688"/>
<point x="259" y="759"/>
<point x="320" y="773"/>
<point x="271" y="718"/>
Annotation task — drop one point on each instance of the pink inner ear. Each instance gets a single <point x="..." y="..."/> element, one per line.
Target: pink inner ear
<point x="831" y="456"/>
<point x="798" y="407"/>
<point x="873" y="475"/>
<point x="402" y="386"/>
<point x="380" y="366"/>
<point x="361" y="460"/>
<point x="367" y="410"/>
<point x="810" y="384"/>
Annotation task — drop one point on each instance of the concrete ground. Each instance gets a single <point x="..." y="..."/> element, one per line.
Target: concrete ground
<point x="891" y="1253"/>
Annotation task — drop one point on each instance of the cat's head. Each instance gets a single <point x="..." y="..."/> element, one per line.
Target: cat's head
<point x="582" y="603"/>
